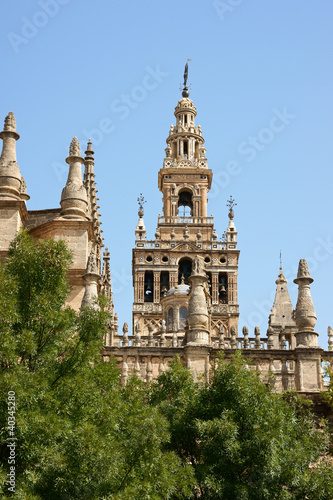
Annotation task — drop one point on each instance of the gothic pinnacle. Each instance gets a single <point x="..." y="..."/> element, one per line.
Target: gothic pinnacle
<point x="10" y="175"/>
<point x="91" y="278"/>
<point x="89" y="152"/>
<point x="74" y="196"/>
<point x="305" y="315"/>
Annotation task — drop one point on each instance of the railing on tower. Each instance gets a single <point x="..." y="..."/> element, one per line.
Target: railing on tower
<point x="185" y="220"/>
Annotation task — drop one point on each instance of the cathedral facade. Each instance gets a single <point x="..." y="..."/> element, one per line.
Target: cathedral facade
<point x="185" y="280"/>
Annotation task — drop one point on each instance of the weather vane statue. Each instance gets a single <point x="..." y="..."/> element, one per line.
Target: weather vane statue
<point x="141" y="202"/>
<point x="231" y="204"/>
<point x="186" y="92"/>
<point x="185" y="74"/>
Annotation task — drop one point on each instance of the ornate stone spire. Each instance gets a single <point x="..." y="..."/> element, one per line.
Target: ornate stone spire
<point x="74" y="196"/>
<point x="10" y="175"/>
<point x="281" y="315"/>
<point x="91" y="278"/>
<point x="106" y="287"/>
<point x="92" y="211"/>
<point x="304" y="314"/>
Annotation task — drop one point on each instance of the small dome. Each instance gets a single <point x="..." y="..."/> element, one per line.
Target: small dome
<point x="178" y="290"/>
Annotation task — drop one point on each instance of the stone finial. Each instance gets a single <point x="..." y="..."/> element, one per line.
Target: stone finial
<point x="199" y="235"/>
<point x="10" y="123"/>
<point x="303" y="270"/>
<point x="137" y="334"/>
<point x="173" y="234"/>
<point x="89" y="158"/>
<point x="74" y="200"/>
<point x="75" y="148"/>
<point x="246" y="337"/>
<point x="330" y="338"/>
<point x="270" y="333"/>
<point x="91" y="279"/>
<point x="186" y="233"/>
<point x="233" y="334"/>
<point x="304" y="315"/>
<point x="89" y="148"/>
<point x="257" y="343"/>
<point x="125" y="335"/>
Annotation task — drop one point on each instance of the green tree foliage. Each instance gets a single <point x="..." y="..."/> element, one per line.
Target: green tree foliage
<point x="80" y="435"/>
<point x="242" y="441"/>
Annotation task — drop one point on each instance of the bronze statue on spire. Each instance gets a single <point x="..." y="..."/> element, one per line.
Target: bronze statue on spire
<point x="185" y="75"/>
<point x="185" y="92"/>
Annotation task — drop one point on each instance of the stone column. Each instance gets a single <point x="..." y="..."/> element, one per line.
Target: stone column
<point x="198" y="329"/>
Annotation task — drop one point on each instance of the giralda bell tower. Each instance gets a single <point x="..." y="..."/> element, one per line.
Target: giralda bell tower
<point x="161" y="267"/>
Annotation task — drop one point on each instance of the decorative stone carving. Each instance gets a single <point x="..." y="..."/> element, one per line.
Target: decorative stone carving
<point x="91" y="278"/>
<point x="305" y="315"/>
<point x="246" y="337"/>
<point x="125" y="336"/>
<point x="75" y="148"/>
<point x="270" y="342"/>
<point x="74" y="200"/>
<point x="257" y="343"/>
<point x="233" y="333"/>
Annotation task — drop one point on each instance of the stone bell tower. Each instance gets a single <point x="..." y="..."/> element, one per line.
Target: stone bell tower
<point x="162" y="267"/>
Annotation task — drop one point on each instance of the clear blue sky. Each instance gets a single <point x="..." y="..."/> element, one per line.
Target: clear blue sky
<point x="68" y="65"/>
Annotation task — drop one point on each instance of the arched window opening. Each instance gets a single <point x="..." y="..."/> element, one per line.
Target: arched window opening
<point x="164" y="283"/>
<point x="170" y="320"/>
<point x="223" y="288"/>
<point x="184" y="269"/>
<point x="185" y="204"/>
<point x="182" y="317"/>
<point x="149" y="287"/>
<point x="185" y="149"/>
